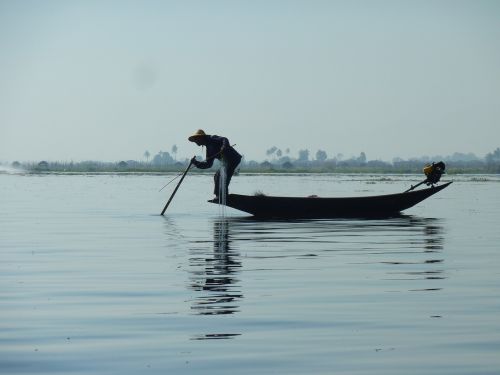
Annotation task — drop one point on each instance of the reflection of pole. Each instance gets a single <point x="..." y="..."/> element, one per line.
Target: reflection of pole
<point x="177" y="187"/>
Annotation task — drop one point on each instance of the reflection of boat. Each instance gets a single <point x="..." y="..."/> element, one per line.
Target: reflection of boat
<point x="315" y="207"/>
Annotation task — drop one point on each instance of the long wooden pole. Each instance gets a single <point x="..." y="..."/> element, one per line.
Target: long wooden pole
<point x="177" y="187"/>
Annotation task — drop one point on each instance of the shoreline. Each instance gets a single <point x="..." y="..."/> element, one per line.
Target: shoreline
<point x="347" y="171"/>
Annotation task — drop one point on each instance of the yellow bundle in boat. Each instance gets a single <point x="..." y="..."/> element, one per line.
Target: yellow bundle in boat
<point x="428" y="169"/>
<point x="433" y="172"/>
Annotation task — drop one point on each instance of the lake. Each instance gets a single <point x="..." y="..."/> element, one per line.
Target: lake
<point x="94" y="281"/>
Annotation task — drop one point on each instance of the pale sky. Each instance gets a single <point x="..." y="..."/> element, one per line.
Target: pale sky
<point x="108" y="80"/>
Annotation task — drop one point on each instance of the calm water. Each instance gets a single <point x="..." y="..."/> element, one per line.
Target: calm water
<point x="94" y="281"/>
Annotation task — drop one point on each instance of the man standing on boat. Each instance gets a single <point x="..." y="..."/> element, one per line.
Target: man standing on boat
<point x="217" y="148"/>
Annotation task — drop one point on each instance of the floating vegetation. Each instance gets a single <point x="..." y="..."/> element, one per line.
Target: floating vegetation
<point x="481" y="179"/>
<point x="259" y="193"/>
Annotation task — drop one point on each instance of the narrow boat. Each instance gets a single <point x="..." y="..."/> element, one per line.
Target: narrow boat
<point x="263" y="206"/>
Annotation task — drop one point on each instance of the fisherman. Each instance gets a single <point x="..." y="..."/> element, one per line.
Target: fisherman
<point x="217" y="148"/>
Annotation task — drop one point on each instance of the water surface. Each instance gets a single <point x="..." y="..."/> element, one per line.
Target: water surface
<point x="94" y="281"/>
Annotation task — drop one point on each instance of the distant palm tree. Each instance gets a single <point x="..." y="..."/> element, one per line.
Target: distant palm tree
<point x="174" y="151"/>
<point x="271" y="151"/>
<point x="147" y="155"/>
<point x="321" y="155"/>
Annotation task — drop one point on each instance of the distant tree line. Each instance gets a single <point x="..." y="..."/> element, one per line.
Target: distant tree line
<point x="280" y="161"/>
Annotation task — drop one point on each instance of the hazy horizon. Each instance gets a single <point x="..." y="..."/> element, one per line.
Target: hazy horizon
<point x="90" y="80"/>
<point x="456" y="157"/>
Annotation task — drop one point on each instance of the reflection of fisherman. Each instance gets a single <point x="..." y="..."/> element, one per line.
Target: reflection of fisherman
<point x="217" y="148"/>
<point x="215" y="275"/>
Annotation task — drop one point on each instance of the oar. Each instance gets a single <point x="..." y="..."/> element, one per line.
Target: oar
<point x="177" y="187"/>
<point x="413" y="187"/>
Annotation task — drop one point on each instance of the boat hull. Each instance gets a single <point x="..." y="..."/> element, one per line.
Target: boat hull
<point x="264" y="206"/>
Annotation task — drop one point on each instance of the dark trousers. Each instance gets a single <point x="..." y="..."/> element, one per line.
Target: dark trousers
<point x="230" y="168"/>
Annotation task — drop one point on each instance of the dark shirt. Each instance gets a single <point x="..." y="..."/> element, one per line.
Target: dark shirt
<point x="214" y="145"/>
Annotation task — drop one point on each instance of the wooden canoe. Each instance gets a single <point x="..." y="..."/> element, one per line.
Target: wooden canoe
<point x="264" y="206"/>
